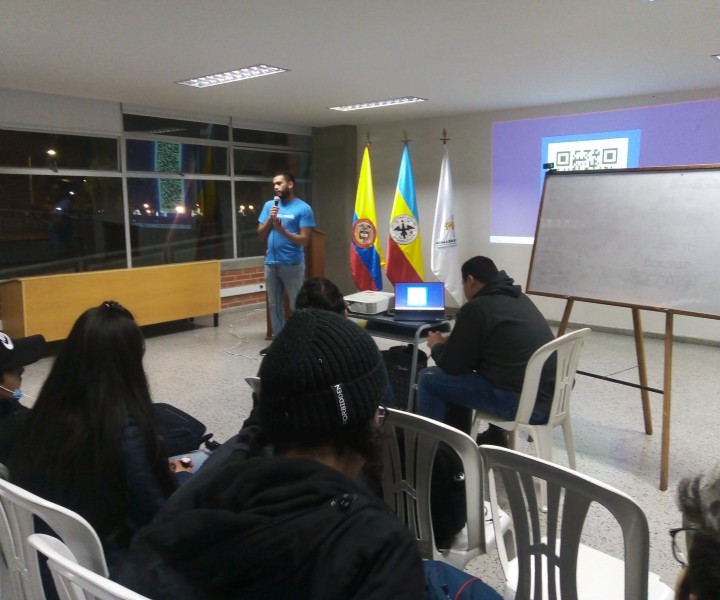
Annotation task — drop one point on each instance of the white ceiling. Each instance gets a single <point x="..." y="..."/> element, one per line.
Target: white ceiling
<point x="462" y="55"/>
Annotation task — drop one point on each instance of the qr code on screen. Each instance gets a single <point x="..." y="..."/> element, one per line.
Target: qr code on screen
<point x="583" y="155"/>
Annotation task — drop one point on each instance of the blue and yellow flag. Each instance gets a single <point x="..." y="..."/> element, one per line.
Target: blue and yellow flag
<point x="405" y="261"/>
<point x="366" y="257"/>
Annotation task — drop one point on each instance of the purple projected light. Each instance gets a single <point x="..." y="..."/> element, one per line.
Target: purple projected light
<point x="674" y="134"/>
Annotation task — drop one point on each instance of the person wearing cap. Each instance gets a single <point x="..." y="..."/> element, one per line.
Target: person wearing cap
<point x="481" y="363"/>
<point x="294" y="524"/>
<point x="15" y="355"/>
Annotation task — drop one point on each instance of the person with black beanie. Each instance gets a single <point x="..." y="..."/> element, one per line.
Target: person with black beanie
<point x="294" y="524"/>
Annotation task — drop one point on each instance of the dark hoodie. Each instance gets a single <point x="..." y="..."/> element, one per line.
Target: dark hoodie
<point x="276" y="528"/>
<point x="12" y="417"/>
<point x="495" y="334"/>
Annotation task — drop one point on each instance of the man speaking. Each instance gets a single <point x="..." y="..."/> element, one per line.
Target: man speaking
<point x="285" y="222"/>
<point x="481" y="363"/>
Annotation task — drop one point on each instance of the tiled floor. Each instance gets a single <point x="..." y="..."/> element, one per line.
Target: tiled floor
<point x="201" y="369"/>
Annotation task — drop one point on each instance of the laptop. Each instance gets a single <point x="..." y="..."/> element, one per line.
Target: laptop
<point x="419" y="301"/>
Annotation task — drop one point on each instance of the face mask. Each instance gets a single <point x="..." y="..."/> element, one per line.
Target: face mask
<point x="16" y="394"/>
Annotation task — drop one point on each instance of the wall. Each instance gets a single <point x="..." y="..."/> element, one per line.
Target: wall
<point x="335" y="173"/>
<point x="242" y="284"/>
<point x="48" y="112"/>
<point x="337" y="164"/>
<point x="470" y="159"/>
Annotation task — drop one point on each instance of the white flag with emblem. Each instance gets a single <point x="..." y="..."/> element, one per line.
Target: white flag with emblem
<point x="444" y="262"/>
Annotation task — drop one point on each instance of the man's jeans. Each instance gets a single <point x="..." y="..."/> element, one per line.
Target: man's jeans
<point x="436" y="389"/>
<point x="278" y="280"/>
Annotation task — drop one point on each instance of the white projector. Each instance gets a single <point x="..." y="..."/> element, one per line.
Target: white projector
<point x="369" y="303"/>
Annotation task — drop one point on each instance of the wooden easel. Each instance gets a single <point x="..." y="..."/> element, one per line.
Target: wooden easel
<point x="644" y="388"/>
<point x="636" y="238"/>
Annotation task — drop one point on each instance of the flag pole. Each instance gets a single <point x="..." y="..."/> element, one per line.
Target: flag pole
<point x="444" y="261"/>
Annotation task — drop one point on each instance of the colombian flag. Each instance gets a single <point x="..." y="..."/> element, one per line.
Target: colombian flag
<point x="366" y="257"/>
<point x="405" y="261"/>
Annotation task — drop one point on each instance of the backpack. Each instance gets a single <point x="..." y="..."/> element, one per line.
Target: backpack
<point x="398" y="362"/>
<point x="448" y="505"/>
<point x="180" y="432"/>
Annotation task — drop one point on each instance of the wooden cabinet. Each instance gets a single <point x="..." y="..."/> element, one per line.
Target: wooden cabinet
<point x="49" y="305"/>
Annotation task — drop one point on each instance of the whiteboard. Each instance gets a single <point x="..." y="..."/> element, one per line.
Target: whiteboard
<point x="645" y="238"/>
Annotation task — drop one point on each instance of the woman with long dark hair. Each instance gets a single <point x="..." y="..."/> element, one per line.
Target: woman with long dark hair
<point x="90" y="443"/>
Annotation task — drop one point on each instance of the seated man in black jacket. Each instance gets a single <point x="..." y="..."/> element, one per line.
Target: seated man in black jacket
<point x="294" y="524"/>
<point x="481" y="363"/>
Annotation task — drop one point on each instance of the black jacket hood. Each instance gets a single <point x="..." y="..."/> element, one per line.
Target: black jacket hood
<point x="502" y="284"/>
<point x="272" y="527"/>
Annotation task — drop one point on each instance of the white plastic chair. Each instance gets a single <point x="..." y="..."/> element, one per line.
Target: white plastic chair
<point x="17" y="509"/>
<point x="74" y="582"/>
<point x="407" y="475"/>
<point x="551" y="562"/>
<point x="567" y="348"/>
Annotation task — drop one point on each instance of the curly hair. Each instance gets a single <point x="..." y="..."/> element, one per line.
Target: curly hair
<point x="699" y="500"/>
<point x="321" y="293"/>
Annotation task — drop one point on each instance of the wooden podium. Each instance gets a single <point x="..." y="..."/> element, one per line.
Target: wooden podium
<point x="314" y="267"/>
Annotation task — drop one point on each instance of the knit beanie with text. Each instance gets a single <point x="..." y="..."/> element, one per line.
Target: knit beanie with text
<point x="321" y="376"/>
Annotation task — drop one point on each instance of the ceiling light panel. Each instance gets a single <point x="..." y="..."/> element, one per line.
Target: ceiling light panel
<point x="230" y="76"/>
<point x="379" y="103"/>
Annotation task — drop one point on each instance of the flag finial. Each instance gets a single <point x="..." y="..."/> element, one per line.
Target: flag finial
<point x="445" y="138"/>
<point x="405" y="138"/>
<point x="367" y="139"/>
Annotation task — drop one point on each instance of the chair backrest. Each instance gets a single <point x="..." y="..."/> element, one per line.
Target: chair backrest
<point x="74" y="582"/>
<point x="565" y="489"/>
<point x="18" y="507"/>
<point x="567" y="348"/>
<point x="408" y="458"/>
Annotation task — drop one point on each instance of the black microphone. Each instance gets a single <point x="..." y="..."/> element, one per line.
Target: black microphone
<point x="277" y="200"/>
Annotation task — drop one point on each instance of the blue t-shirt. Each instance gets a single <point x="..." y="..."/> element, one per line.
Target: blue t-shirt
<point x="294" y="216"/>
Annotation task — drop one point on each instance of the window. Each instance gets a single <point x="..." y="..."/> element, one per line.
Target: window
<point x="55" y="151"/>
<point x="58" y="224"/>
<point x="265" y="163"/>
<point x="62" y="207"/>
<point x="271" y="138"/>
<point x="155" y="126"/>
<point x="179" y="220"/>
<point x="171" y="157"/>
<point x="250" y="197"/>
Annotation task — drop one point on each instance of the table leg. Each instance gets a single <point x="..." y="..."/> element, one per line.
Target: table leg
<point x="642" y="370"/>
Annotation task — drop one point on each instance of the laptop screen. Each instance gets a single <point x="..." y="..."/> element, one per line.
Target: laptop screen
<point x="429" y="295"/>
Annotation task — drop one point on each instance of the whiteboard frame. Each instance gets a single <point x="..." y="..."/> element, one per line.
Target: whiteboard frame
<point x="609" y="301"/>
